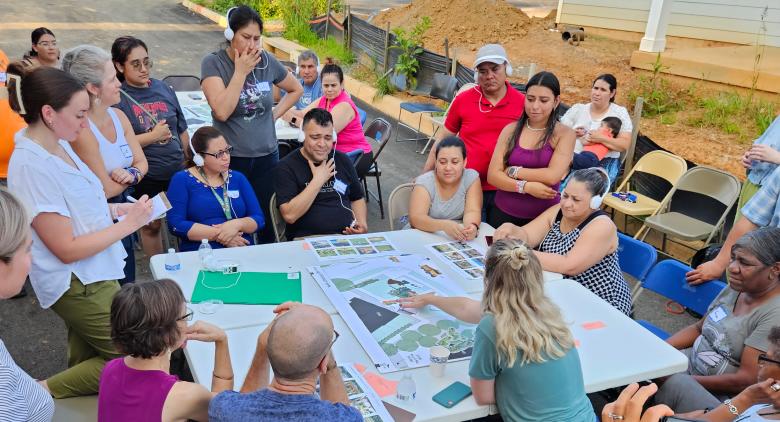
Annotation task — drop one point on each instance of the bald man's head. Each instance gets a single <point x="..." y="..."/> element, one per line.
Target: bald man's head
<point x="298" y="341"/>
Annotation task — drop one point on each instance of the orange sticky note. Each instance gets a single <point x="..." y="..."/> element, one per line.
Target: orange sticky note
<point x="360" y="367"/>
<point x="383" y="386"/>
<point x="306" y="246"/>
<point x="594" y="325"/>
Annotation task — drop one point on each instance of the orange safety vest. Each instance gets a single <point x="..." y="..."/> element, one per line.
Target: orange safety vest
<point x="10" y="122"/>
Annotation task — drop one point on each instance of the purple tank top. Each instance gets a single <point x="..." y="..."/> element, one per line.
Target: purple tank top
<point x="128" y="394"/>
<point x="523" y="205"/>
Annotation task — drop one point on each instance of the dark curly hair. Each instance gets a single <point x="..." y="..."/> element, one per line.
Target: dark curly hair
<point x="144" y="318"/>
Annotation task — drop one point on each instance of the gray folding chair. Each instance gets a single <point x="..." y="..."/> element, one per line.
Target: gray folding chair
<point x="399" y="203"/>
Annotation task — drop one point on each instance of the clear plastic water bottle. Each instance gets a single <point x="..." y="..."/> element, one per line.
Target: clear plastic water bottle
<point x="406" y="390"/>
<point x="172" y="262"/>
<point x="205" y="253"/>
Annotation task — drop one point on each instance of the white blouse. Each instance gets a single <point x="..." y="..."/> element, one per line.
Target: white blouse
<point x="46" y="183"/>
<point x="579" y="116"/>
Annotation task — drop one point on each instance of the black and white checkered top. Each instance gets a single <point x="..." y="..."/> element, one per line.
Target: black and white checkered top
<point x="605" y="279"/>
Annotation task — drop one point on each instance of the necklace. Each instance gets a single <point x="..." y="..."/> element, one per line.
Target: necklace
<point x="528" y="125"/>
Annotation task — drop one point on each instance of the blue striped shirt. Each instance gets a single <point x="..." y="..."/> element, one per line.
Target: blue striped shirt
<point x="763" y="209"/>
<point x="760" y="170"/>
<point x="21" y="398"/>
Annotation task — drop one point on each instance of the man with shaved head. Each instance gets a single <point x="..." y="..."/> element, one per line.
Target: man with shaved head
<point x="297" y="346"/>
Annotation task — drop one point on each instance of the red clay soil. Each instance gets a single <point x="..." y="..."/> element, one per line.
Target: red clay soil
<point x="468" y="24"/>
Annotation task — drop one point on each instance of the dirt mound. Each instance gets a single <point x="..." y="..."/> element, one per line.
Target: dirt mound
<point x="462" y="22"/>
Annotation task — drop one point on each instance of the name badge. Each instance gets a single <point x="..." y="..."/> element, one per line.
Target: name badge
<point x="233" y="194"/>
<point x="263" y="86"/>
<point x="340" y="186"/>
<point x="126" y="151"/>
<point x="717" y="314"/>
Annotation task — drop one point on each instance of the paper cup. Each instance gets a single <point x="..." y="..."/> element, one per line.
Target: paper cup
<point x="439" y="357"/>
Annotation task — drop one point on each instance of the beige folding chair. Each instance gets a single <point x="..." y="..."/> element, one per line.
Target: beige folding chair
<point x="399" y="203"/>
<point x="660" y="164"/>
<point x="75" y="409"/>
<point x="438" y="121"/>
<point x="278" y="223"/>
<point x="696" y="207"/>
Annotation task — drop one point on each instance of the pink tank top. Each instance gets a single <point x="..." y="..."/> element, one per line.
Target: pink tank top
<point x="351" y="137"/>
<point x="128" y="394"/>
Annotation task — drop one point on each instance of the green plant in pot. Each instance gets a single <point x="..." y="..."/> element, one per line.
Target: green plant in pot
<point x="409" y="44"/>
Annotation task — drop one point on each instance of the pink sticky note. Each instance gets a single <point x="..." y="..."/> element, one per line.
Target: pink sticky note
<point x="594" y="325"/>
<point x="360" y="367"/>
<point x="383" y="386"/>
<point x="576" y="343"/>
<point x="306" y="246"/>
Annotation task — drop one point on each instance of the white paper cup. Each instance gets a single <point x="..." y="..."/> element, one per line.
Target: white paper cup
<point x="210" y="306"/>
<point x="439" y="357"/>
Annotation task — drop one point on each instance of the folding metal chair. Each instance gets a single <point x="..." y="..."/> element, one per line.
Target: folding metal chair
<point x="378" y="131"/>
<point x="183" y="82"/>
<point x="443" y="88"/>
<point x="399" y="203"/>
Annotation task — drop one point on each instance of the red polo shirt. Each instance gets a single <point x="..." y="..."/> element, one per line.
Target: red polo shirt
<point x="479" y="123"/>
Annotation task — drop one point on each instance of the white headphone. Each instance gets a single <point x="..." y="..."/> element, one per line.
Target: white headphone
<point x="229" y="34"/>
<point x="196" y="158"/>
<point x="596" y="200"/>
<point x="506" y="61"/>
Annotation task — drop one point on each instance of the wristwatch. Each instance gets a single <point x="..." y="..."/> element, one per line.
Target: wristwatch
<point x="513" y="171"/>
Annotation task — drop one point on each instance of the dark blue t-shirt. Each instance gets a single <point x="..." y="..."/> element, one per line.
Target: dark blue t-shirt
<point x="160" y="101"/>
<point x="268" y="406"/>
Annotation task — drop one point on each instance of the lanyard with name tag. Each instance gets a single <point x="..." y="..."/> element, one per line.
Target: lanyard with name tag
<point x="717" y="314"/>
<point x="224" y="202"/>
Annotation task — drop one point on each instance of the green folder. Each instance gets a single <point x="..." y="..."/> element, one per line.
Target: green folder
<point x="248" y="288"/>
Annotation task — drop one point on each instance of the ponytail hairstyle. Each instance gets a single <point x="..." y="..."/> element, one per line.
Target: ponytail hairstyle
<point x="525" y="318"/>
<point x="547" y="80"/>
<point x="35" y="37"/>
<point x="29" y="89"/>
<point x="121" y="48"/>
<point x="200" y="142"/>
<point x="611" y="80"/>
<point x="87" y="63"/>
<point x="332" y="68"/>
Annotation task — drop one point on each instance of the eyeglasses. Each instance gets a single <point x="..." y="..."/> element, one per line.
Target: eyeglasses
<point x="136" y="64"/>
<point x="187" y="316"/>
<point x="335" y="337"/>
<point x="762" y="358"/>
<point x="220" y="154"/>
<point x="47" y="43"/>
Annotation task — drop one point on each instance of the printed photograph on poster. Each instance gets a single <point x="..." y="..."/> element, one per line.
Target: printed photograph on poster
<point x="343" y="247"/>
<point x="362" y="397"/>
<point x="395" y="338"/>
<point x="466" y="260"/>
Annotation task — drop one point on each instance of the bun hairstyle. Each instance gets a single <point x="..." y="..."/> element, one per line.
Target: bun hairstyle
<point x="29" y="89"/>
<point x="525" y="318"/>
<point x="332" y="68"/>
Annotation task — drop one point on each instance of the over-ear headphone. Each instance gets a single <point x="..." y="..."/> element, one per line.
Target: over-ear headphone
<point x="596" y="200"/>
<point x="196" y="158"/>
<point x="229" y="34"/>
<point x="509" y="70"/>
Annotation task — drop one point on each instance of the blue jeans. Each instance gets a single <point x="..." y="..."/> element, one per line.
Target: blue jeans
<point x="260" y="173"/>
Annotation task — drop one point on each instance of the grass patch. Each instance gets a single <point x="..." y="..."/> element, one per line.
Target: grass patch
<point x="732" y="113"/>
<point x="267" y="9"/>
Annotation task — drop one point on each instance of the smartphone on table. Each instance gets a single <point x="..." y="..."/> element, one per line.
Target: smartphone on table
<point x="452" y="394"/>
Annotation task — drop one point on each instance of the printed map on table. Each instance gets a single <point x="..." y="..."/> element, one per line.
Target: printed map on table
<point x="340" y="247"/>
<point x="466" y="260"/>
<point x="395" y="338"/>
<point x="362" y="397"/>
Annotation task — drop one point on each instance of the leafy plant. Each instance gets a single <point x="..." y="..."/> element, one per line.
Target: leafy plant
<point x="409" y="44"/>
<point x="659" y="96"/>
<point x="383" y="86"/>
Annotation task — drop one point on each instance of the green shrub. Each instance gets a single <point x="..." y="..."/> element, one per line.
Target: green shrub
<point x="409" y="43"/>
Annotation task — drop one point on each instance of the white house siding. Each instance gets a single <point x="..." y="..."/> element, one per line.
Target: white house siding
<point x="736" y="21"/>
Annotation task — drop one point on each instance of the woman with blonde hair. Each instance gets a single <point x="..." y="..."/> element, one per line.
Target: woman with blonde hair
<point x="521" y="339"/>
<point x="21" y="398"/>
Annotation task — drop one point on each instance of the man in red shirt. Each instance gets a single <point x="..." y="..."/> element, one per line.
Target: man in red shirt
<point x="479" y="114"/>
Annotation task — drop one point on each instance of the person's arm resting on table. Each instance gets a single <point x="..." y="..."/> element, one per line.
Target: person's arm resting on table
<point x="594" y="243"/>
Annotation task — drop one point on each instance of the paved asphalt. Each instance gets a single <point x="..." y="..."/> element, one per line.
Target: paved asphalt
<point x="178" y="40"/>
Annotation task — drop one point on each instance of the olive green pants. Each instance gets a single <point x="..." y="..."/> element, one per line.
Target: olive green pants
<point x="86" y="311"/>
<point x="748" y="190"/>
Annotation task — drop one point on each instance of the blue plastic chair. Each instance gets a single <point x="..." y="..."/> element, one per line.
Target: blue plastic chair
<point x="636" y="257"/>
<point x="667" y="279"/>
<point x="362" y="115"/>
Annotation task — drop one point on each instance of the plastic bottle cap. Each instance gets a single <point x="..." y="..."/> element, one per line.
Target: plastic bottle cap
<point x="204" y="241"/>
<point x="171" y="250"/>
